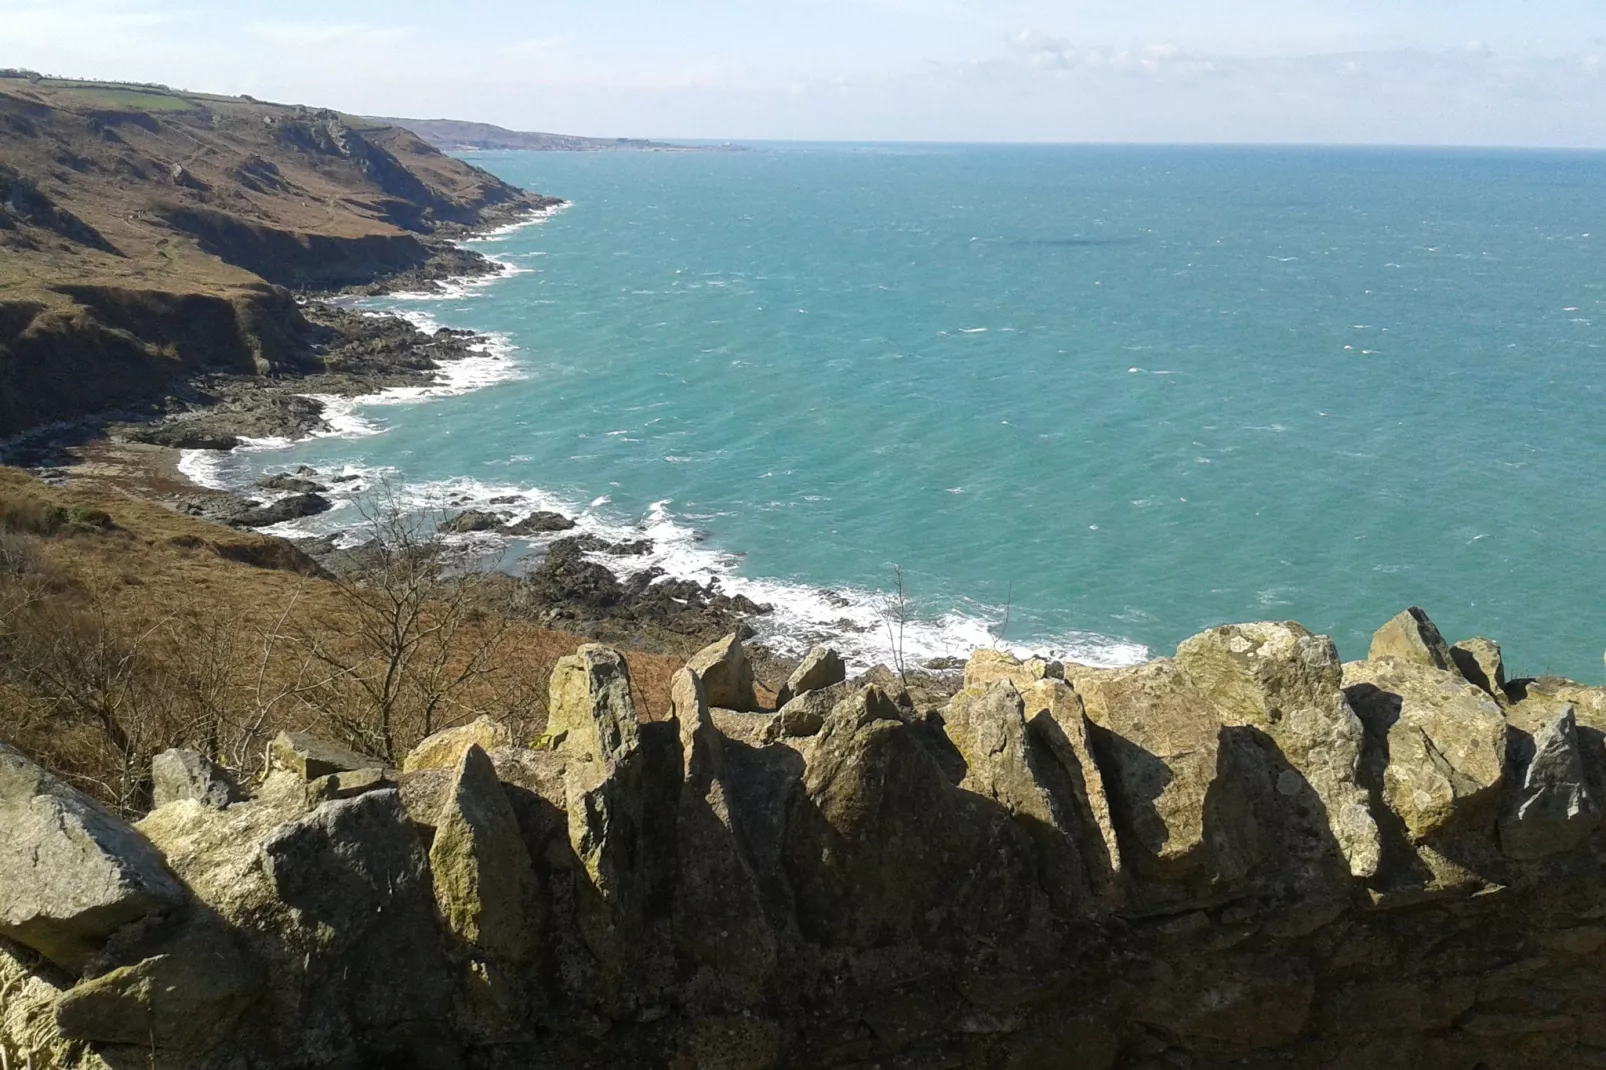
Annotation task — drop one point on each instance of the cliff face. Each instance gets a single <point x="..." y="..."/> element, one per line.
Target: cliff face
<point x="1245" y="855"/>
<point x="146" y="234"/>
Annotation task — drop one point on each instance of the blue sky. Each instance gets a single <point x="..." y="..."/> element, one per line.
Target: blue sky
<point x="1362" y="71"/>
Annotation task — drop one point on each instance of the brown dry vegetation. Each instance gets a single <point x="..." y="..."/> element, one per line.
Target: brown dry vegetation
<point x="147" y="235"/>
<point x="126" y="629"/>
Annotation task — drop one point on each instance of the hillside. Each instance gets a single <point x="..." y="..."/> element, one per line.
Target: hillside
<point x="453" y="135"/>
<point x="147" y="233"/>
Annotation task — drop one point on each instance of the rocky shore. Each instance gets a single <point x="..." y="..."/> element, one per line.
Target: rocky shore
<point x="1249" y="854"/>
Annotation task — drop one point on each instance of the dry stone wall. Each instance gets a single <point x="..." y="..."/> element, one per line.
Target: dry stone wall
<point x="1249" y="855"/>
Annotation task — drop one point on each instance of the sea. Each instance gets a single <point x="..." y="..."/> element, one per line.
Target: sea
<point x="1077" y="400"/>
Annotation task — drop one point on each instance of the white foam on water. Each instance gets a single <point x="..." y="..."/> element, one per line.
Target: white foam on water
<point x="863" y="625"/>
<point x="534" y="219"/>
<point x="492" y="362"/>
<point x="204" y="468"/>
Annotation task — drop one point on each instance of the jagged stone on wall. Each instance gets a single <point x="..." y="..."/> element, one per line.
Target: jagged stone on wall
<point x="719" y="921"/>
<point x="988" y="666"/>
<point x="186" y="774"/>
<point x="882" y="849"/>
<point x="1412" y="636"/>
<point x="312" y="758"/>
<point x="804" y="715"/>
<point x="1056" y="718"/>
<point x="1006" y="763"/>
<point x="822" y="668"/>
<point x="726" y="674"/>
<point x="186" y="996"/>
<point x="1550" y="807"/>
<point x="1145" y="867"/>
<point x="444" y="749"/>
<point x="1159" y="742"/>
<point x="1284" y="682"/>
<point x="484" y="882"/>
<point x="1480" y="661"/>
<point x="593" y="721"/>
<point x="71" y="874"/>
<point x="1445" y="742"/>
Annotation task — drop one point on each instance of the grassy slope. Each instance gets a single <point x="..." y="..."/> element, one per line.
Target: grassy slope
<point x="145" y="232"/>
<point x="187" y="599"/>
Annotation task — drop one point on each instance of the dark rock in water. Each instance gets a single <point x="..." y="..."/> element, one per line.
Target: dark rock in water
<point x="539" y="524"/>
<point x="344" y="479"/>
<point x="506" y="499"/>
<point x="470" y="521"/>
<point x="291" y="508"/>
<point x="945" y="664"/>
<point x="294" y="484"/>
<point x="594" y="544"/>
<point x="180" y="436"/>
<point x="567" y="577"/>
<point x="305" y="470"/>
<point x="322" y="546"/>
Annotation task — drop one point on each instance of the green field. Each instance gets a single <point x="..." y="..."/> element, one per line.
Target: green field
<point x="111" y="96"/>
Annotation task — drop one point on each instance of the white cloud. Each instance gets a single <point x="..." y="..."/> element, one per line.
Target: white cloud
<point x="36" y="23"/>
<point x="580" y="75"/>
<point x="327" y="35"/>
<point x="1047" y="52"/>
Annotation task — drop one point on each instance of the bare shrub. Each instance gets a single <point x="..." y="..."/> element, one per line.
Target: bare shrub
<point x="895" y="616"/>
<point x="96" y="690"/>
<point x="412" y="641"/>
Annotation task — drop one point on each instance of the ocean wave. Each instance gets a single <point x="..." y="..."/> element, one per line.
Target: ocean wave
<point x="534" y="219"/>
<point x="861" y="624"/>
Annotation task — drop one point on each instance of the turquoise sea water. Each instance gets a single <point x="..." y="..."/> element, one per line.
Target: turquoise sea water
<point x="1127" y="393"/>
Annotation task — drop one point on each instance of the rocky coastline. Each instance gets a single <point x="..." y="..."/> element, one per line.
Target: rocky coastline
<point x="1250" y="854"/>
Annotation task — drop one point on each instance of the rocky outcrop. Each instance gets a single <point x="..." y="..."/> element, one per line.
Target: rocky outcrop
<point x="1444" y="739"/>
<point x="445" y="748"/>
<point x="1412" y="636"/>
<point x="71" y="874"/>
<point x="1245" y="855"/>
<point x="185" y="774"/>
<point x="820" y="669"/>
<point x="1284" y="684"/>
<point x="484" y="882"/>
<point x="726" y="674"/>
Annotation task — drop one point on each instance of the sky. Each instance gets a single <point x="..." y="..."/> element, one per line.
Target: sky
<point x="1423" y="72"/>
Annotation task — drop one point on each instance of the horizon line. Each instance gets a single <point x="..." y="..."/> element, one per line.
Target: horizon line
<point x="958" y="142"/>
